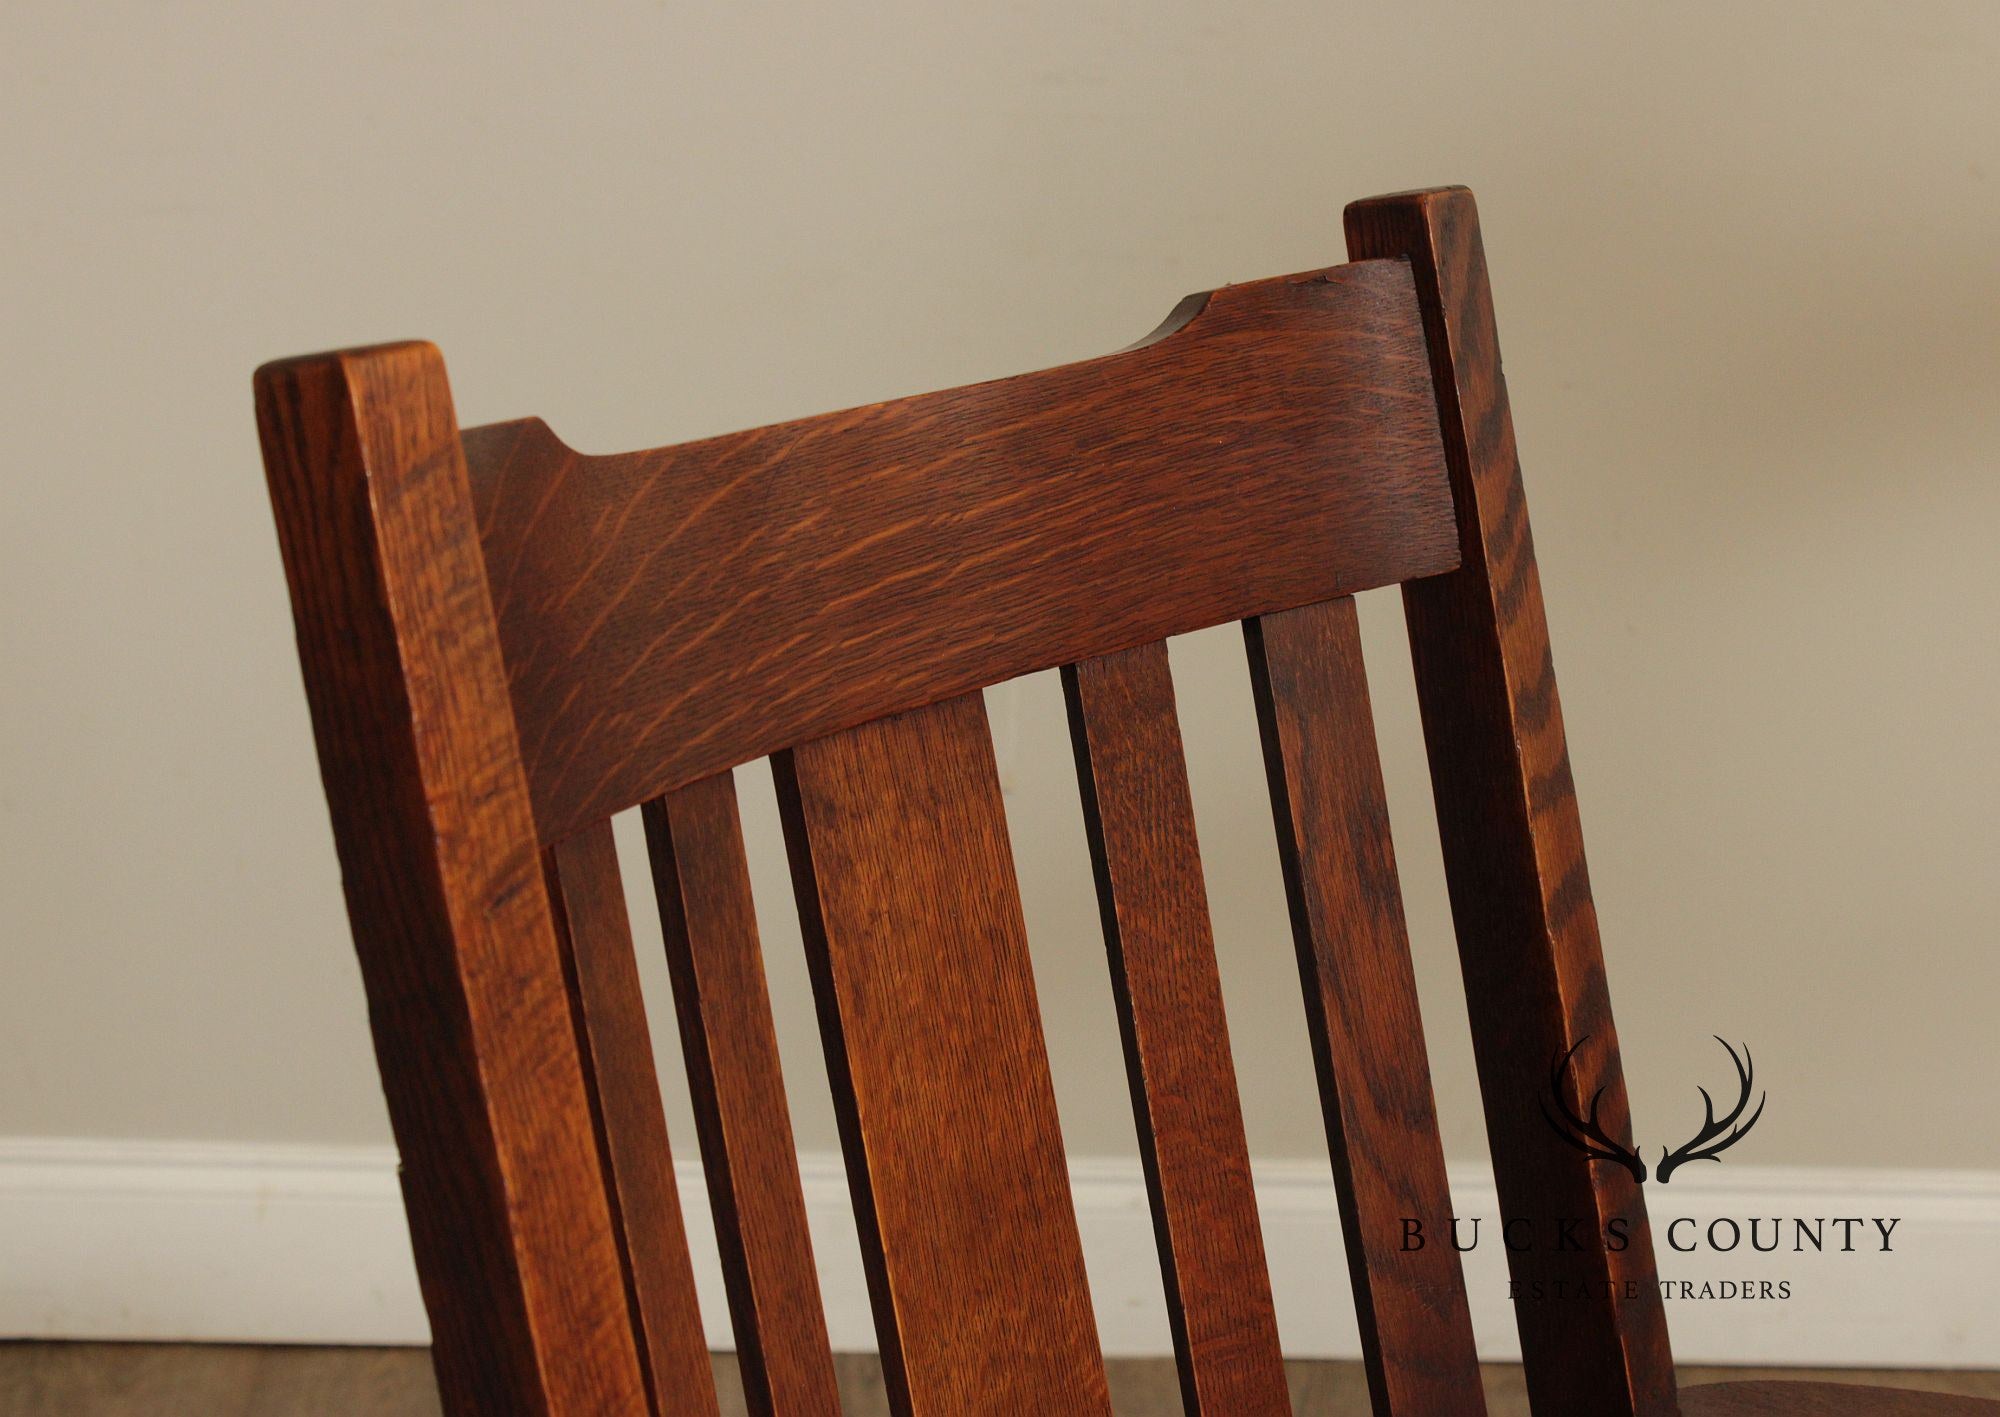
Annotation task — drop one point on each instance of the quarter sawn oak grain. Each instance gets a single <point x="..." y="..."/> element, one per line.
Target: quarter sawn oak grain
<point x="451" y="920"/>
<point x="1140" y="820"/>
<point x="669" y="614"/>
<point x="1513" y="848"/>
<point x="505" y="642"/>
<point x="1361" y="1003"/>
<point x="919" y="955"/>
<point x="617" y="1049"/>
<point x="737" y="1085"/>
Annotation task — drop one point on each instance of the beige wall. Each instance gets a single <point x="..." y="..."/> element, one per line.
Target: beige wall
<point x="1745" y="259"/>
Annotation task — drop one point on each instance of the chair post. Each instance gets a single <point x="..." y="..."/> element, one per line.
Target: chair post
<point x="451" y="917"/>
<point x="1513" y="850"/>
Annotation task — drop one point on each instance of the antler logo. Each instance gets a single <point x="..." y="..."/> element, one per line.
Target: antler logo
<point x="1584" y="1133"/>
<point x="1715" y="1137"/>
<point x="1589" y="1137"/>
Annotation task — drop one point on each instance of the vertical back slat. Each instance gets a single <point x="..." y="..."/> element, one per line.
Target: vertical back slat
<point x="1140" y="820"/>
<point x="914" y="932"/>
<point x="596" y="936"/>
<point x="699" y="870"/>
<point x="1361" y="999"/>
<point x="1513" y="850"/>
<point x="422" y="764"/>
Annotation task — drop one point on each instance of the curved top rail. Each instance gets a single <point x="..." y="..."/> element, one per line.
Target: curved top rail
<point x="668" y="614"/>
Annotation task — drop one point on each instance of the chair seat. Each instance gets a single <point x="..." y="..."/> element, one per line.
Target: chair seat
<point x="1783" y="1399"/>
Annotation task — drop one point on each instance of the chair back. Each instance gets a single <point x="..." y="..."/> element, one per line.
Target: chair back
<point x="506" y="642"/>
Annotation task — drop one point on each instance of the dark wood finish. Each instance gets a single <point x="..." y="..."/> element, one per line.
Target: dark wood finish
<point x="919" y="956"/>
<point x="1353" y="948"/>
<point x="1140" y="821"/>
<point x="617" y="1051"/>
<point x="1790" y="1399"/>
<point x="1513" y="847"/>
<point x="737" y="1083"/>
<point x="835" y="591"/>
<point x="438" y="855"/>
<point x="669" y="614"/>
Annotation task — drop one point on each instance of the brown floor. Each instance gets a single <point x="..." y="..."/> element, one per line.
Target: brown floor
<point x="171" y="1380"/>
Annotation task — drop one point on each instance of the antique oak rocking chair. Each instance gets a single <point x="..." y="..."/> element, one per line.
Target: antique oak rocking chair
<point x="505" y="642"/>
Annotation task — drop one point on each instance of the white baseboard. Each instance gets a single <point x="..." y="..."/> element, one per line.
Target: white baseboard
<point x="165" y="1240"/>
